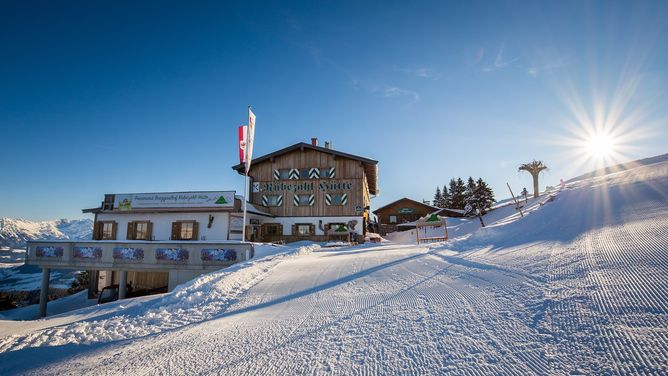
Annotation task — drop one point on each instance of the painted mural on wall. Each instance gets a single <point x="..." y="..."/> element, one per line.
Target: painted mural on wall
<point x="128" y="254"/>
<point x="172" y="254"/>
<point x="49" y="251"/>
<point x="218" y="255"/>
<point x="87" y="252"/>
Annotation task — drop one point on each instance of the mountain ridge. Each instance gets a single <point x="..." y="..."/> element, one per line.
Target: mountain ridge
<point x="15" y="232"/>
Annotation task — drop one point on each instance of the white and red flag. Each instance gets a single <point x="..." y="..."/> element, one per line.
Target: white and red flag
<point x="246" y="136"/>
<point x="250" y="138"/>
<point x="242" y="143"/>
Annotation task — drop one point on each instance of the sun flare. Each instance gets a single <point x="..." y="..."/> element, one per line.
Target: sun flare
<point x="600" y="146"/>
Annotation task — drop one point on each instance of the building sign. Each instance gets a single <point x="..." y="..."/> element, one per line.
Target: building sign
<point x="406" y="211"/>
<point x="323" y="186"/>
<point x="236" y="224"/>
<point x="174" y="200"/>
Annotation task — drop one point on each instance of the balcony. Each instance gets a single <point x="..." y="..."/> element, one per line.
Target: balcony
<point x="136" y="255"/>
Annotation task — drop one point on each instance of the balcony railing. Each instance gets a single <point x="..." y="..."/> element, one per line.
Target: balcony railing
<point x="137" y="255"/>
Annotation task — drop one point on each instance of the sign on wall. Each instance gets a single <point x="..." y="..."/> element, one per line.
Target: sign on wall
<point x="324" y="186"/>
<point x="174" y="200"/>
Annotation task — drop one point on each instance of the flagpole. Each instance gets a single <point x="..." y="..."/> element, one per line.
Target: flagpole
<point x="246" y="193"/>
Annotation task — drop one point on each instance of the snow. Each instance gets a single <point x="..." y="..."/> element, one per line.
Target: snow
<point x="576" y="286"/>
<point x="14" y="232"/>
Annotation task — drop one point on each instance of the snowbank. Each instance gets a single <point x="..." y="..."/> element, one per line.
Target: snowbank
<point x="200" y="299"/>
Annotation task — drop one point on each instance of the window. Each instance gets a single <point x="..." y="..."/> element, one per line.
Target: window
<point x="185" y="230"/>
<point x="304" y="229"/>
<point x="272" y="229"/>
<point x="272" y="200"/>
<point x="108" y="230"/>
<point x="304" y="173"/>
<point x="327" y="173"/>
<point x="336" y="199"/>
<point x="104" y="230"/>
<point x="140" y="230"/>
<point x="393" y="219"/>
<point x="284" y="173"/>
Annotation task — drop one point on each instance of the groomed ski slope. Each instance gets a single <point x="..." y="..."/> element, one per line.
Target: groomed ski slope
<point x="578" y="286"/>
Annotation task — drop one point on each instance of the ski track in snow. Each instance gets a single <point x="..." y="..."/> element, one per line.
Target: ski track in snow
<point x="576" y="287"/>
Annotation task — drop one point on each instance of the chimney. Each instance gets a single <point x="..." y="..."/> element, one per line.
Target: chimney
<point x="314" y="141"/>
<point x="328" y="144"/>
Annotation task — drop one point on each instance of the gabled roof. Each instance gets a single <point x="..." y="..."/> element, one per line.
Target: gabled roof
<point x="370" y="165"/>
<point x="407" y="199"/>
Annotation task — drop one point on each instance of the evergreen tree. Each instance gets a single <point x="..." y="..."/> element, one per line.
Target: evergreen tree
<point x="457" y="193"/>
<point x="80" y="282"/>
<point x="438" y="198"/>
<point x="470" y="188"/>
<point x="446" y="202"/>
<point x="485" y="195"/>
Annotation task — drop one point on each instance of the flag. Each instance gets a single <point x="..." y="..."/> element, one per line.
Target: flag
<point x="251" y="137"/>
<point x="242" y="144"/>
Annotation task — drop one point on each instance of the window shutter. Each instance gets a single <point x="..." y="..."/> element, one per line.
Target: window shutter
<point x="130" y="235"/>
<point x="280" y="229"/>
<point x="176" y="230"/>
<point x="311" y="229"/>
<point x="195" y="230"/>
<point x="294" y="229"/>
<point x="96" y="231"/>
<point x="149" y="231"/>
<point x="114" y="229"/>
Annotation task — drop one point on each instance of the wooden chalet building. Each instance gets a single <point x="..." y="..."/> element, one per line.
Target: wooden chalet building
<point x="311" y="192"/>
<point x="401" y="211"/>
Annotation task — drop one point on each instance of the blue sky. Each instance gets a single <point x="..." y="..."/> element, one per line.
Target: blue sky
<point x="138" y="97"/>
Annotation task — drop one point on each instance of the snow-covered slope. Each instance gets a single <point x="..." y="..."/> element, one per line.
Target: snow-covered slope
<point x="14" y="232"/>
<point x="577" y="286"/>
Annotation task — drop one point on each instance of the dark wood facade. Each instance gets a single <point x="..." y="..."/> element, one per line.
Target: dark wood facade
<point x="402" y="211"/>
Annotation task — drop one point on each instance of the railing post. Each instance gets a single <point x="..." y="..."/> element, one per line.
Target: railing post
<point x="122" y="284"/>
<point x="44" y="291"/>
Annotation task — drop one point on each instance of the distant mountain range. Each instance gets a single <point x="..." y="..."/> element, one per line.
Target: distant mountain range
<point x="14" y="232"/>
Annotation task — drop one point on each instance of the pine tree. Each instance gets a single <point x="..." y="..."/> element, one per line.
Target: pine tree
<point x="446" y="202"/>
<point x="485" y="195"/>
<point x="470" y="188"/>
<point x="457" y="194"/>
<point x="438" y="198"/>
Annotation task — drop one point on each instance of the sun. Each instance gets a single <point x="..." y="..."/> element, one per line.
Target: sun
<point x="600" y="146"/>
